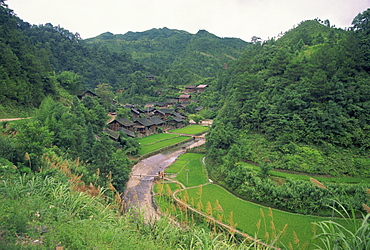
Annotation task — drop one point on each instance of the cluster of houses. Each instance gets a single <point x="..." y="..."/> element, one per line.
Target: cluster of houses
<point x="145" y="122"/>
<point x="150" y="120"/>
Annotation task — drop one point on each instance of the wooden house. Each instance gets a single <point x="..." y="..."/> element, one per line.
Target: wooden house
<point x="175" y="122"/>
<point x="157" y="122"/>
<point x="171" y="102"/>
<point x="117" y="124"/>
<point x="165" y="112"/>
<point x="135" y="113"/>
<point x="201" y="88"/>
<point x="148" y="111"/>
<point x="112" y="134"/>
<point x="190" y="89"/>
<point x="143" y="127"/>
<point x="184" y="98"/>
<point x="127" y="132"/>
<point x="85" y="93"/>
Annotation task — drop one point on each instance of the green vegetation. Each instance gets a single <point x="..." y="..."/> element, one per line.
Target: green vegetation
<point x="300" y="104"/>
<point x="43" y="212"/>
<point x="257" y="220"/>
<point x="161" y="144"/>
<point x="190" y="130"/>
<point x="306" y="177"/>
<point x="193" y="172"/>
<point x="262" y="222"/>
<point x="169" y="52"/>
<point x="154" y="138"/>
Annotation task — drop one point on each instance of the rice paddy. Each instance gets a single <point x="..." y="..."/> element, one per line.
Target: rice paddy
<point x="190" y="130"/>
<point x="293" y="230"/>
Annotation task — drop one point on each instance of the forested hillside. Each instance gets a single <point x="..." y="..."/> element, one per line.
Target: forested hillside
<point x="299" y="103"/>
<point x="35" y="59"/>
<point x="175" y="54"/>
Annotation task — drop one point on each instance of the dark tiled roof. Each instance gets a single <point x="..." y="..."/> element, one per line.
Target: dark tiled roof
<point x="146" y="110"/>
<point x="177" y="119"/>
<point x="125" y="122"/>
<point x="156" y="120"/>
<point x="167" y="111"/>
<point x="172" y="101"/>
<point x="135" y="111"/>
<point x="199" y="108"/>
<point x="111" y="133"/>
<point x="175" y="114"/>
<point x="83" y="92"/>
<point x="128" y="132"/>
<point x="161" y="104"/>
<point x="145" y="122"/>
<point x="158" y="111"/>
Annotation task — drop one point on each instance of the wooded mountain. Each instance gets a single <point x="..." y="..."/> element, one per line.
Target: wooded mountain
<point x="298" y="102"/>
<point x="166" y="50"/>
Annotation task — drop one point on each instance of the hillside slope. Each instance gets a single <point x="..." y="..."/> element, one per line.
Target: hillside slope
<point x="164" y="49"/>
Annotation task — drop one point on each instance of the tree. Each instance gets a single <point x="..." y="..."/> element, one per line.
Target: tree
<point x="104" y="91"/>
<point x="196" y="118"/>
<point x="70" y="81"/>
<point x="32" y="141"/>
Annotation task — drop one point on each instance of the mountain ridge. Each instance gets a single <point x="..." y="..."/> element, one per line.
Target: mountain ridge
<point x="203" y="53"/>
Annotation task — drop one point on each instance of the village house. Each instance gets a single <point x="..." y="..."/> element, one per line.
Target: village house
<point x="184" y="98"/>
<point x="127" y="132"/>
<point x="171" y="102"/>
<point x="190" y="89"/>
<point x="157" y="122"/>
<point x="147" y="111"/>
<point x="112" y="134"/>
<point x="85" y="93"/>
<point x="143" y="127"/>
<point x="201" y="88"/>
<point x="117" y="124"/>
<point x="135" y="113"/>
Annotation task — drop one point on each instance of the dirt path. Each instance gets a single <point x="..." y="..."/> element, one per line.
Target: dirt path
<point x="12" y="119"/>
<point x="139" y="187"/>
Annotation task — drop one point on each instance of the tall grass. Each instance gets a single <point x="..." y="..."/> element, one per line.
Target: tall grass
<point x="39" y="212"/>
<point x="350" y="233"/>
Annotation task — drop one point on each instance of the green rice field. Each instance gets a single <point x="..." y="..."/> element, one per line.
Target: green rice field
<point x="190" y="169"/>
<point x="155" y="138"/>
<point x="190" y="130"/>
<point x="295" y="230"/>
<point x="257" y="220"/>
<point x="148" y="148"/>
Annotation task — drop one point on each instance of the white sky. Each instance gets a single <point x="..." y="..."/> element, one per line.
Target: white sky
<point x="224" y="18"/>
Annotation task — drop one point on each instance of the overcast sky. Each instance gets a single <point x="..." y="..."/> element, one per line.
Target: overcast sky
<point x="224" y="18"/>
